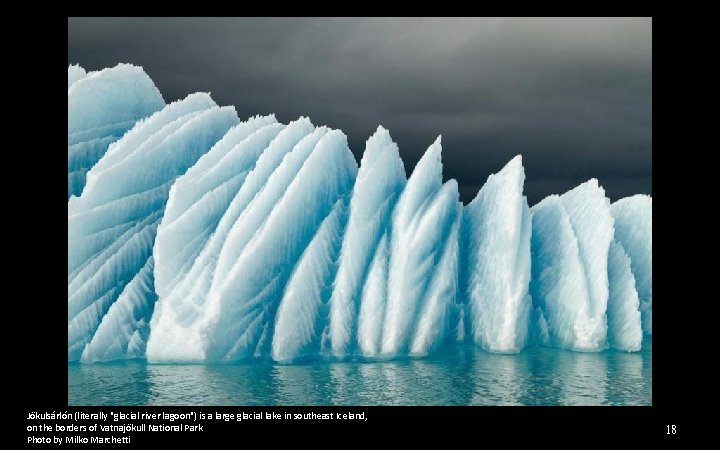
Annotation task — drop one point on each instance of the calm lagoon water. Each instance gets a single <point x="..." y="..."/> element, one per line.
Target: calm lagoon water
<point x="456" y="375"/>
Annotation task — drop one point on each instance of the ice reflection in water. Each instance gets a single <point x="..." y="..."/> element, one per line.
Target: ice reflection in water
<point x="457" y="375"/>
<point x="633" y="370"/>
<point x="500" y="379"/>
<point x="301" y="385"/>
<point x="583" y="377"/>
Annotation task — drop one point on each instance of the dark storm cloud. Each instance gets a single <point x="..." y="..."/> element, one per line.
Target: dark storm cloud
<point x="573" y="96"/>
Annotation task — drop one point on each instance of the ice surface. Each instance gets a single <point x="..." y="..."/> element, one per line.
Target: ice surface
<point x="373" y="300"/>
<point x="497" y="263"/>
<point x="243" y="303"/>
<point x="75" y="72"/>
<point x="294" y="186"/>
<point x="123" y="331"/>
<point x="433" y="312"/>
<point x="570" y="241"/>
<point x="303" y="308"/>
<point x="195" y="237"/>
<point x="624" y="326"/>
<point x="633" y="229"/>
<point x="102" y="106"/>
<point x="380" y="180"/>
<point x="112" y="227"/>
<point x="200" y="197"/>
<point x="181" y="308"/>
<point x="420" y="285"/>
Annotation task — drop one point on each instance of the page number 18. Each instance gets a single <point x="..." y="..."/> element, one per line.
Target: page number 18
<point x="671" y="429"/>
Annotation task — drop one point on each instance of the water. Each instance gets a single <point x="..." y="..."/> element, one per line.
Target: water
<point x="457" y="375"/>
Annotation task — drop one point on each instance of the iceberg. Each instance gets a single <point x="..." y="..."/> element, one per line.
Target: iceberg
<point x="422" y="274"/>
<point x="570" y="241"/>
<point x="75" y="72"/>
<point x="124" y="330"/>
<point x="497" y="262"/>
<point x="379" y="182"/>
<point x="624" y="326"/>
<point x="243" y="301"/>
<point x="194" y="236"/>
<point x="303" y="310"/>
<point x="103" y="106"/>
<point x="295" y="184"/>
<point x="112" y="225"/>
<point x="199" y="198"/>
<point x="633" y="229"/>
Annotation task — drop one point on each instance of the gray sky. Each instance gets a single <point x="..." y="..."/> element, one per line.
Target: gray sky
<point x="573" y="96"/>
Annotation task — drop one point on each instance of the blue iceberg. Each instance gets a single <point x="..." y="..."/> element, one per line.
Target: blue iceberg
<point x="570" y="241"/>
<point x="633" y="230"/>
<point x="496" y="265"/>
<point x="102" y="107"/>
<point x="194" y="236"/>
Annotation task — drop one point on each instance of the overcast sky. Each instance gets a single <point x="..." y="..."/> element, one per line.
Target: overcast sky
<point x="573" y="96"/>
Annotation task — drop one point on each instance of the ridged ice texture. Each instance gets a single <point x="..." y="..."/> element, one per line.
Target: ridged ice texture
<point x="112" y="226"/>
<point x="102" y="106"/>
<point x="571" y="236"/>
<point x="303" y="310"/>
<point x="124" y="330"/>
<point x="200" y="197"/>
<point x="380" y="180"/>
<point x="624" y="325"/>
<point x="633" y="229"/>
<point x="176" y="334"/>
<point x="277" y="214"/>
<point x="198" y="237"/>
<point x="422" y="279"/>
<point x="497" y="236"/>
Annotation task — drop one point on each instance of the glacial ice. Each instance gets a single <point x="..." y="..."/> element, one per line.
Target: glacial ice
<point x="571" y="237"/>
<point x="178" y="333"/>
<point x="102" y="106"/>
<point x="423" y="259"/>
<point x="75" y="72"/>
<point x="112" y="225"/>
<point x="196" y="237"/>
<point x="624" y="326"/>
<point x="379" y="182"/>
<point x="633" y="229"/>
<point x="303" y="308"/>
<point x="497" y="265"/>
<point x="200" y="197"/>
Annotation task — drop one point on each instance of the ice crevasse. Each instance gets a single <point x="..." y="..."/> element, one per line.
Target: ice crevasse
<point x="195" y="236"/>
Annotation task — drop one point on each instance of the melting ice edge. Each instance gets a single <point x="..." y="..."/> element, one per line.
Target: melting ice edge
<point x="196" y="237"/>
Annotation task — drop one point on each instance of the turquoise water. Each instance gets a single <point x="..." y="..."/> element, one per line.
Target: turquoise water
<point x="457" y="375"/>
